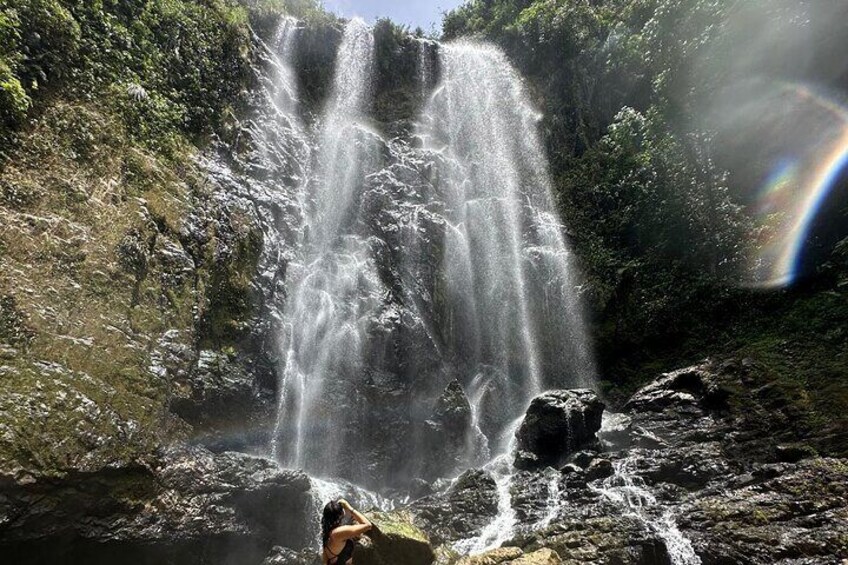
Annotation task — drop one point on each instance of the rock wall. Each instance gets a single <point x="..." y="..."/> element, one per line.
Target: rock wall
<point x="185" y="505"/>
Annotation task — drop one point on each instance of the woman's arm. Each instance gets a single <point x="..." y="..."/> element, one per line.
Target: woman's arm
<point x="344" y="533"/>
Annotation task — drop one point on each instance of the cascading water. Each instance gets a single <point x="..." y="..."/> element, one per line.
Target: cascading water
<point x="502" y="527"/>
<point x="510" y="291"/>
<point x="334" y="284"/>
<point x="629" y="491"/>
<point x="416" y="261"/>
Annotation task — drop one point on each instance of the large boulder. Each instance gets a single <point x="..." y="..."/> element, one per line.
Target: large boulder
<point x="556" y="424"/>
<point x="394" y="539"/>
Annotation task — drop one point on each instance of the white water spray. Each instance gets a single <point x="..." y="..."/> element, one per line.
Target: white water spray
<point x="511" y="289"/>
<point x="498" y="294"/>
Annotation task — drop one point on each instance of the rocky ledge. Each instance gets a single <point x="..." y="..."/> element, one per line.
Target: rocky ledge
<point x="702" y="465"/>
<point x="186" y="505"/>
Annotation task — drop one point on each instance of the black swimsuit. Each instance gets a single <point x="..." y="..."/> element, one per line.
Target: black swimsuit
<point x="343" y="556"/>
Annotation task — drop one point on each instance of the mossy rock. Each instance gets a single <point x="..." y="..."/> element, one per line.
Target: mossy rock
<point x="446" y="555"/>
<point x="493" y="557"/>
<point x="394" y="539"/>
<point x="541" y="557"/>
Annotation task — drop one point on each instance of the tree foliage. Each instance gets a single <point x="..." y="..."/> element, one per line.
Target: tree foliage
<point x="169" y="67"/>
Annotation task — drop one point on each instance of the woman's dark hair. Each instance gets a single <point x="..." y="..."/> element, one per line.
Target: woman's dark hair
<point x="331" y="519"/>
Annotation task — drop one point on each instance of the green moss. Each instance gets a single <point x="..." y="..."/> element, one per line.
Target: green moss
<point x="231" y="300"/>
<point x="14" y="101"/>
<point x="85" y="298"/>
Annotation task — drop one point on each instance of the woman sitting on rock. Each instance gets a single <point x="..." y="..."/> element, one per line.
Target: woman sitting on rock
<point x="337" y="538"/>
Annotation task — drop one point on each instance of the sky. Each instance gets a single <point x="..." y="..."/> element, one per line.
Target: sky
<point x="414" y="13"/>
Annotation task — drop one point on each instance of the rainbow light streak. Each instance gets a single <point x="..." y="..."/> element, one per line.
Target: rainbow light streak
<point x="824" y="181"/>
<point x="798" y="189"/>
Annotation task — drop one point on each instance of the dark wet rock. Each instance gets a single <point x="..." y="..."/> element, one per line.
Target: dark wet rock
<point x="420" y="488"/>
<point x="186" y="505"/>
<point x="792" y="453"/>
<point x="556" y="424"/>
<point x="688" y="466"/>
<point x="461" y="511"/>
<point x="582" y="458"/>
<point x="285" y="556"/>
<point x="219" y="394"/>
<point x="395" y="538"/>
<point x="571" y="469"/>
<point x="697" y="386"/>
<point x="801" y="513"/>
<point x="448" y="434"/>
<point x="599" y="469"/>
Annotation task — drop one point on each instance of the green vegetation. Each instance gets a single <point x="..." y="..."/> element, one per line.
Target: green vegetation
<point x="166" y="67"/>
<point x="104" y="105"/>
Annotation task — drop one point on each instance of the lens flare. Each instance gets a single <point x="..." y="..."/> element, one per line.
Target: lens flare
<point x="809" y="132"/>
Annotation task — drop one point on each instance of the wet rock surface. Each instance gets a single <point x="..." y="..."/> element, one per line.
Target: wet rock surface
<point x="690" y="472"/>
<point x="684" y="475"/>
<point x="448" y="434"/>
<point x="461" y="511"/>
<point x="556" y="424"/>
<point x="186" y="505"/>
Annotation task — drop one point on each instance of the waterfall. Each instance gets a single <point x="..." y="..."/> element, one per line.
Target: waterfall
<point x="334" y="287"/>
<point x="502" y="527"/>
<point x="431" y="256"/>
<point x="511" y="298"/>
<point x="629" y="491"/>
<point x="282" y="146"/>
